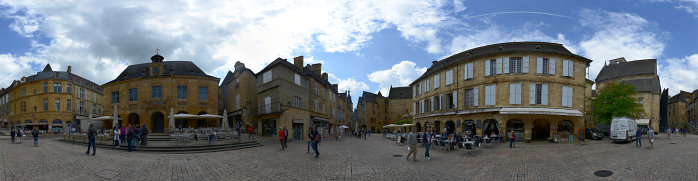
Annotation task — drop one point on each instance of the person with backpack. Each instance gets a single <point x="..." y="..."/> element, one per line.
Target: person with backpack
<point x="144" y="137"/>
<point x="512" y="137"/>
<point x="35" y="134"/>
<point x="316" y="140"/>
<point x="12" y="134"/>
<point x="20" y="132"/>
<point x="91" y="135"/>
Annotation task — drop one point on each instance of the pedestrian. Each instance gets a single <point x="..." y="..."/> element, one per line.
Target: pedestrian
<point x="145" y="132"/>
<point x="35" y="134"/>
<point x="12" y="134"/>
<point x="137" y="135"/>
<point x="427" y="143"/>
<point x="676" y="130"/>
<point x="130" y="137"/>
<point x="282" y="135"/>
<point x="512" y="137"/>
<point x="412" y="144"/>
<point x="638" y="139"/>
<point x="684" y="132"/>
<point x="285" y="137"/>
<point x="310" y="138"/>
<point x="117" y="134"/>
<point x="91" y="133"/>
<point x="237" y="128"/>
<point x="668" y="133"/>
<point x="211" y="136"/>
<point x="316" y="140"/>
<point x="650" y="137"/>
<point x="122" y="136"/>
<point x="250" y="131"/>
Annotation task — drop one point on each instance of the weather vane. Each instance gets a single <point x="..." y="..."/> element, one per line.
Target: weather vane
<point x="157" y="51"/>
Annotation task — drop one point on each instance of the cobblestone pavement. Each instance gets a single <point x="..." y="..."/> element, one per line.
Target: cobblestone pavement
<point x="358" y="159"/>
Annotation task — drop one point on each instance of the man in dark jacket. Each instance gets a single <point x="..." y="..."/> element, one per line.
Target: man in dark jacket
<point x="130" y="137"/>
<point x="12" y="134"/>
<point x="35" y="134"/>
<point x="91" y="134"/>
<point x="638" y="138"/>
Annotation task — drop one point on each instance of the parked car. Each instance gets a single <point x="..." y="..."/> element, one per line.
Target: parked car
<point x="595" y="134"/>
<point x="623" y="129"/>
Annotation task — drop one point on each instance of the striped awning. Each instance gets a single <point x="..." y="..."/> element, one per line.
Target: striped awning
<point x="541" y="111"/>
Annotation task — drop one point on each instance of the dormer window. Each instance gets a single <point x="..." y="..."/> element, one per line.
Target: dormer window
<point x="156" y="70"/>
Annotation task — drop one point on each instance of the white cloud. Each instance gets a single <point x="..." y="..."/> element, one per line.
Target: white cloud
<point x="679" y="74"/>
<point x="13" y="66"/>
<point x="495" y="34"/>
<point x="99" y="38"/>
<point x="401" y="74"/>
<point x="349" y="84"/>
<point x="618" y="35"/>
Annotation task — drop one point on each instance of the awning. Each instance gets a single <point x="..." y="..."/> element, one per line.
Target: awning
<point x="321" y="119"/>
<point x="643" y="121"/>
<point x="543" y="111"/>
<point x="184" y="116"/>
<point x="104" y="118"/>
<point x="81" y="117"/>
<point x="4" y="120"/>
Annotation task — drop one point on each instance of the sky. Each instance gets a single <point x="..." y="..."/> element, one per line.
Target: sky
<point x="363" y="45"/>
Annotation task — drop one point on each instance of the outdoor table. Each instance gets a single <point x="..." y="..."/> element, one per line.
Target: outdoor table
<point x="486" y="139"/>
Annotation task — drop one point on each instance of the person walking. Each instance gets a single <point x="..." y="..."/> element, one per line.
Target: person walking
<point x="20" y="133"/>
<point x="12" y="134"/>
<point x="412" y="144"/>
<point x="250" y="131"/>
<point x="130" y="137"/>
<point x="35" y="134"/>
<point x="285" y="137"/>
<point x="638" y="139"/>
<point x="668" y="133"/>
<point x="211" y="136"/>
<point x="282" y="135"/>
<point x="426" y="137"/>
<point x="117" y="135"/>
<point x="512" y="137"/>
<point x="650" y="137"/>
<point x="122" y="136"/>
<point x="316" y="140"/>
<point x="136" y="136"/>
<point x="91" y="133"/>
<point x="310" y="138"/>
<point x="144" y="137"/>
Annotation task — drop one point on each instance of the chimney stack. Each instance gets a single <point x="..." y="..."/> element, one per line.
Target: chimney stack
<point x="317" y="68"/>
<point x="324" y="76"/>
<point x="298" y="62"/>
<point x="69" y="69"/>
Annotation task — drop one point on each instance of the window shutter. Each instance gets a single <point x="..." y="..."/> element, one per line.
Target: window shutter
<point x="532" y="94"/>
<point x="432" y="103"/>
<point x="470" y="70"/>
<point x="539" y="65"/>
<point x="564" y="91"/>
<point x="476" y="98"/>
<point x="512" y="93"/>
<point x="442" y="102"/>
<point x="499" y="65"/>
<point x="544" y="95"/>
<point x="494" y="95"/>
<point x="505" y="61"/>
<point x="414" y="108"/>
<point x="487" y="67"/>
<point x="571" y="66"/>
<point x="524" y="67"/>
<point x="455" y="99"/>
<point x="551" y="68"/>
<point x="437" y="81"/>
<point x="569" y="95"/>
<point x="422" y="106"/>
<point x="518" y="93"/>
<point x="565" y="68"/>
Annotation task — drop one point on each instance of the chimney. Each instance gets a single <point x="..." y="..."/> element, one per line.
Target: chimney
<point x="298" y="62"/>
<point x="317" y="68"/>
<point x="324" y="76"/>
<point x="69" y="69"/>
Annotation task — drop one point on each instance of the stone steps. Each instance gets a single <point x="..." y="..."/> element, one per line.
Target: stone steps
<point x="184" y="149"/>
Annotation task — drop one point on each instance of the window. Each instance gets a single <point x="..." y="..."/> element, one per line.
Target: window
<point x="67" y="89"/>
<point x="57" y="87"/>
<point x="94" y="97"/>
<point x="566" y="96"/>
<point x="67" y="106"/>
<point x="203" y="93"/>
<point x="23" y="106"/>
<point x="156" y="92"/>
<point x="316" y="89"/>
<point x="567" y="68"/>
<point x="515" y="64"/>
<point x="452" y="100"/>
<point x="538" y="94"/>
<point x="317" y="104"/>
<point x="34" y="91"/>
<point x="471" y="97"/>
<point x="94" y="109"/>
<point x="266" y="77"/>
<point x="133" y="94"/>
<point x="514" y="93"/>
<point x="237" y="101"/>
<point x="426" y="83"/>
<point x="156" y="70"/>
<point x="323" y="108"/>
<point x="546" y="65"/>
<point x="491" y="95"/>
<point x="640" y="102"/>
<point x="81" y="93"/>
<point x="427" y="104"/>
<point x="58" y="104"/>
<point x="449" y="77"/>
<point x="437" y="81"/>
<point x="490" y="67"/>
<point x="267" y="104"/>
<point x="114" y="97"/>
<point x="45" y="104"/>
<point x="56" y="75"/>
<point x="468" y="73"/>
<point x="418" y="89"/>
<point x="24" y="92"/>
<point x="45" y="87"/>
<point x="297" y="101"/>
<point x="181" y="92"/>
<point x="298" y="79"/>
<point x="436" y="103"/>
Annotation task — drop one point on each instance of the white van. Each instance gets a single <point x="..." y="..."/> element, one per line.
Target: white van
<point x="623" y="129"/>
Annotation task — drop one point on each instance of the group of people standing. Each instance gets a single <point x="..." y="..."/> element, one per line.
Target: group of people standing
<point x="16" y="136"/>
<point x="313" y="139"/>
<point x="132" y="135"/>
<point x="650" y="138"/>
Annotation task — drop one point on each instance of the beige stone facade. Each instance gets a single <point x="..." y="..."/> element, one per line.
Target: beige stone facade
<point x="538" y="90"/>
<point x="372" y="111"/>
<point x="239" y="96"/>
<point x="678" y="110"/>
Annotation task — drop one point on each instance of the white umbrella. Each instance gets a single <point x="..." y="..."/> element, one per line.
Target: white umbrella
<point x="181" y="115"/>
<point x="103" y="118"/>
<point x="209" y="117"/>
<point x="115" y="118"/>
<point x="224" y="124"/>
<point x="407" y="125"/>
<point x="343" y="126"/>
<point x="171" y="117"/>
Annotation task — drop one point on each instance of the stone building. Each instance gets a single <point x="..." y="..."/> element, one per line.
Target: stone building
<point x="144" y="94"/>
<point x="399" y="104"/>
<point x="678" y="109"/>
<point x="536" y="89"/>
<point x="51" y="100"/>
<point x="693" y="107"/>
<point x="372" y="111"/>
<point x="239" y="96"/>
<point x="642" y="74"/>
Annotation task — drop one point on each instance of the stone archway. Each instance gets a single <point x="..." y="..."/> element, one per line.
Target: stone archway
<point x="419" y="127"/>
<point x="517" y="126"/>
<point x="437" y="127"/>
<point x="201" y="123"/>
<point x="541" y="129"/>
<point x="489" y="126"/>
<point x="158" y="121"/>
<point x="134" y="119"/>
<point x="450" y="127"/>
<point x="469" y="125"/>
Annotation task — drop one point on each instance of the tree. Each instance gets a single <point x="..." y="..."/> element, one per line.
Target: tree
<point x="616" y="100"/>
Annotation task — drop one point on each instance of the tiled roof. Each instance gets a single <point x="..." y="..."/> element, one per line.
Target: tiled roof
<point x="501" y="48"/>
<point x="680" y="97"/>
<point x="646" y="85"/>
<point x="637" y="67"/>
<point x="187" y="68"/>
<point x="400" y="92"/>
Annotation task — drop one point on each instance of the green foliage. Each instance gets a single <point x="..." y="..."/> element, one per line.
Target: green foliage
<point x="404" y="121"/>
<point x="616" y="100"/>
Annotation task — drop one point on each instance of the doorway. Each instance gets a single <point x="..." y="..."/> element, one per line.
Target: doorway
<point x="518" y="127"/>
<point x="269" y="127"/>
<point x="298" y="131"/>
<point x="541" y="130"/>
<point x="469" y="126"/>
<point x="134" y="119"/>
<point x="450" y="127"/>
<point x="158" y="122"/>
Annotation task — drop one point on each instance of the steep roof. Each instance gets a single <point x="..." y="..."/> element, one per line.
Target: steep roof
<point x="48" y="73"/>
<point x="624" y="69"/>
<point x="282" y="62"/>
<point x="682" y="96"/>
<point x="400" y="92"/>
<point x="186" y="68"/>
<point x="318" y="78"/>
<point x="228" y="78"/>
<point x="368" y="97"/>
<point x="501" y="48"/>
<point x="47" y="68"/>
<point x="646" y="85"/>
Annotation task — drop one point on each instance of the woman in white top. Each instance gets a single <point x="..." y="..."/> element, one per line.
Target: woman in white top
<point x="117" y="132"/>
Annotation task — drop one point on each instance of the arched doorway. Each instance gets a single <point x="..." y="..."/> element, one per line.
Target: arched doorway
<point x="427" y="126"/>
<point x="450" y="127"/>
<point x="489" y="126"/>
<point x="134" y="119"/>
<point x="56" y="125"/>
<point x="517" y="126"/>
<point x="469" y="126"/>
<point x="182" y="122"/>
<point x="541" y="129"/>
<point x="419" y="127"/>
<point x="200" y="123"/>
<point x="158" y="122"/>
<point x="565" y="128"/>
<point x="437" y="127"/>
<point x="27" y="125"/>
<point x="43" y="125"/>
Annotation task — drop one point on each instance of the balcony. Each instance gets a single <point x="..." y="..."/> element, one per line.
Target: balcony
<point x="203" y="103"/>
<point x="133" y="105"/>
<point x="182" y="103"/>
<point x="274" y="107"/>
<point x="157" y="103"/>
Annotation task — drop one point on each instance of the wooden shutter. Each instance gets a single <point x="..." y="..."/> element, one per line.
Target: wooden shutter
<point x="524" y="67"/>
<point x="551" y="64"/>
<point x="565" y="68"/>
<point x="512" y="96"/>
<point x="539" y="65"/>
<point x="487" y="67"/>
<point x="499" y="65"/>
<point x="476" y="98"/>
<point x="532" y="94"/>
<point x="544" y="95"/>
<point x="571" y="66"/>
<point x="505" y="61"/>
<point x="564" y="90"/>
<point x="470" y="70"/>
